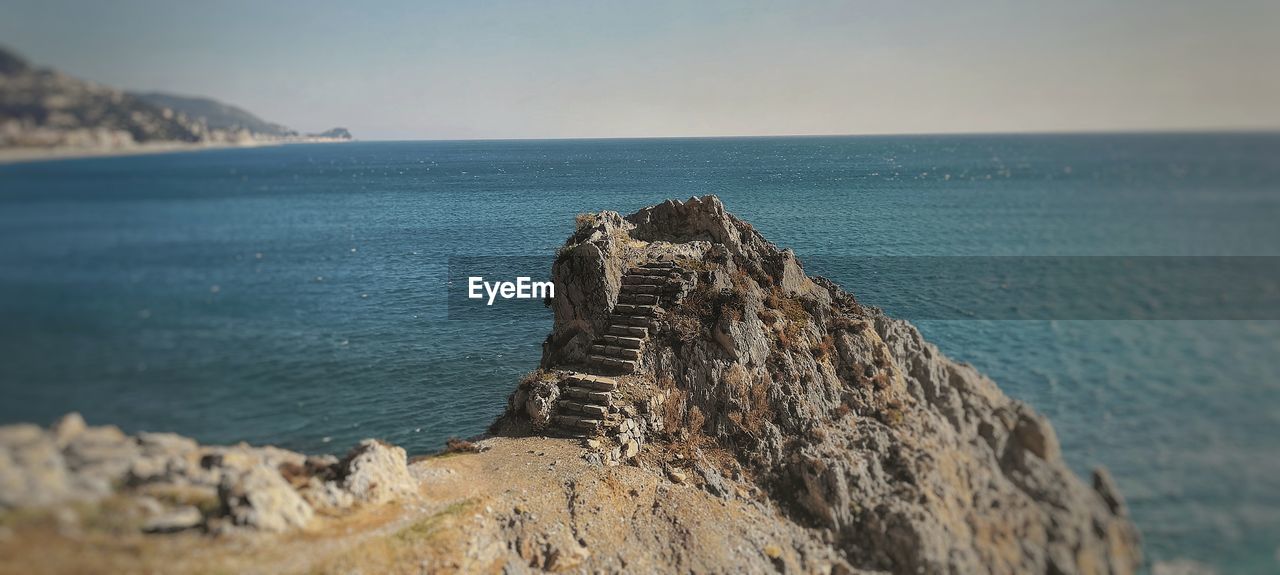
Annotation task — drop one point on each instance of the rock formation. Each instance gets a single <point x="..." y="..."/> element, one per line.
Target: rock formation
<point x="173" y="484"/>
<point x="686" y="341"/>
<point x="724" y="411"/>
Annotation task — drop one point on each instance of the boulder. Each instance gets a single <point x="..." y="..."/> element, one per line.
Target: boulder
<point x="32" y="470"/>
<point x="375" y="472"/>
<point x="260" y="498"/>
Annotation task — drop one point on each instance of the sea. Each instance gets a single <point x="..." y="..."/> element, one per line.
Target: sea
<point x="296" y="295"/>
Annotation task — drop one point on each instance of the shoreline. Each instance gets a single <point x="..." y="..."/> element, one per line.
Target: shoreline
<point x="11" y="156"/>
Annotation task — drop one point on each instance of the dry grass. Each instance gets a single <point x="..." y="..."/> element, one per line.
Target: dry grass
<point x="702" y="309"/>
<point x="415" y="548"/>
<point x="584" y="221"/>
<point x="790" y="307"/>
<point x="754" y="395"/>
<point x="535" y="376"/>
<point x="454" y="446"/>
<point x="788" y="318"/>
<point x="673" y="410"/>
<point x="695" y="265"/>
<point x="108" y="540"/>
<point x="842" y="322"/>
<point x="893" y="414"/>
<point x="741" y="280"/>
<point x="790" y="336"/>
<point x="825" y="348"/>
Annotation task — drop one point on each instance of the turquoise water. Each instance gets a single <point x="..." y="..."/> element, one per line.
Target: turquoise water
<point x="296" y="295"/>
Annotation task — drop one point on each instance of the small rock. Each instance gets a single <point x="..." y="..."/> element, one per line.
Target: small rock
<point x="677" y="476"/>
<point x="176" y="520"/>
<point x="67" y="428"/>
<point x="773" y="551"/>
<point x="375" y="472"/>
<point x="1182" y="567"/>
<point x="261" y="498"/>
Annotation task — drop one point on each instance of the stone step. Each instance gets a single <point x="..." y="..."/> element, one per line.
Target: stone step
<point x="596" y="382"/>
<point x="641" y="279"/>
<point x="615" y="351"/>
<point x="613" y="363"/>
<point x="576" y="422"/>
<point x="583" y="408"/>
<point x="586" y="395"/>
<point x="628" y="319"/>
<point x="622" y="341"/>
<point x="663" y="264"/>
<point x="631" y="309"/>
<point x="638" y="298"/>
<point x="641" y="288"/>
<point x="628" y="330"/>
<point x="632" y="320"/>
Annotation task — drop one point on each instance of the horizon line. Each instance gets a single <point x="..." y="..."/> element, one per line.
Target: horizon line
<point x="1084" y="132"/>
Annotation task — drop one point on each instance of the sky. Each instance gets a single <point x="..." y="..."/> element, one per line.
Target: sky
<point x="413" y="69"/>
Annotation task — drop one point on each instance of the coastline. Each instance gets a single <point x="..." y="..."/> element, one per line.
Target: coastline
<point x="10" y="156"/>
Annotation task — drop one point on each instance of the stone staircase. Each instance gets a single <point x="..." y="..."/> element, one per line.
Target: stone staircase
<point x="585" y="404"/>
<point x="618" y="350"/>
<point x="587" y="399"/>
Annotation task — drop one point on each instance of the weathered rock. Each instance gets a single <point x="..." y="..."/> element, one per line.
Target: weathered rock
<point x="67" y="428"/>
<point x="179" y="519"/>
<point x="99" y="458"/>
<point x="265" y="488"/>
<point x="1182" y="567"/>
<point x="914" y="463"/>
<point x="32" y="470"/>
<point x="326" y="495"/>
<point x="260" y="498"/>
<point x="539" y="402"/>
<point x="375" y="472"/>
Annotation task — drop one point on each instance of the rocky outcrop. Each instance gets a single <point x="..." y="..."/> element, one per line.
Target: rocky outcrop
<point x="846" y="418"/>
<point x="728" y="411"/>
<point x="333" y="134"/>
<point x="176" y="484"/>
<point x="375" y="472"/>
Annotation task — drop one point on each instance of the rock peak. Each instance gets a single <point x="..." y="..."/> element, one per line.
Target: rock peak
<point x="680" y="332"/>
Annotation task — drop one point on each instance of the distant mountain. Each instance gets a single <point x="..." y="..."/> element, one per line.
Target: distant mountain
<point x="44" y="108"/>
<point x="11" y="63"/>
<point x="332" y="134"/>
<point x="215" y="114"/>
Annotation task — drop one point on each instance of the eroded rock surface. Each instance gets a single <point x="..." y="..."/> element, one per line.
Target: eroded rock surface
<point x="173" y="483"/>
<point x="752" y="374"/>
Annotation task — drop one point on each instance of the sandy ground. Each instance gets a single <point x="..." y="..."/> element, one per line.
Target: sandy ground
<point x="20" y="155"/>
<point x="24" y="155"/>
<point x="528" y="503"/>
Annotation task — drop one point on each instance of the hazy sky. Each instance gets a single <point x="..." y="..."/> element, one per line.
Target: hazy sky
<point x="416" y="69"/>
